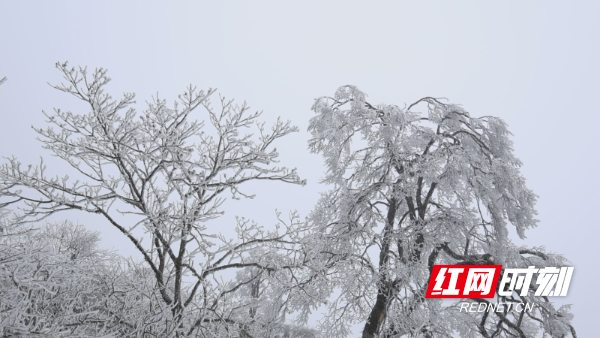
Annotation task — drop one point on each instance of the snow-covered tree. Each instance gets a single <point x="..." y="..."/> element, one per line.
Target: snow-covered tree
<point x="46" y="291"/>
<point x="159" y="177"/>
<point x="410" y="190"/>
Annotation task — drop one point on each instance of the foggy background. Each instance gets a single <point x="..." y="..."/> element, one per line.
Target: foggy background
<point x="534" y="64"/>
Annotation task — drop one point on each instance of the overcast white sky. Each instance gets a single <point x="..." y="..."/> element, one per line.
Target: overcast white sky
<point x="534" y="64"/>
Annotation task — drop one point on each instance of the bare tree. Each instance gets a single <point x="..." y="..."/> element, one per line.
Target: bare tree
<point x="410" y="191"/>
<point x="159" y="177"/>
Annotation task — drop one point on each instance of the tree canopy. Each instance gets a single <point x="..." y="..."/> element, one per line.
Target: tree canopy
<point x="410" y="190"/>
<point x="160" y="175"/>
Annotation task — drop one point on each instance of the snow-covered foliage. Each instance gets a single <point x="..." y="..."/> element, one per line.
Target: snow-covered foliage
<point x="49" y="281"/>
<point x="410" y="190"/>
